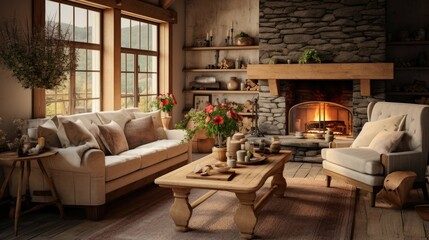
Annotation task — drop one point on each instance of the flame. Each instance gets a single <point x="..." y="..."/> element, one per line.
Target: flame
<point x="320" y="115"/>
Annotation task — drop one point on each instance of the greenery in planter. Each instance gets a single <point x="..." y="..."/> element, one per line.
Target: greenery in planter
<point x="309" y="55"/>
<point x="39" y="57"/>
<point x="242" y="34"/>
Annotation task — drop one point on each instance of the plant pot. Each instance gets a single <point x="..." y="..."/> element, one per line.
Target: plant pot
<point x="166" y="121"/>
<point x="219" y="153"/>
<point x="244" y="41"/>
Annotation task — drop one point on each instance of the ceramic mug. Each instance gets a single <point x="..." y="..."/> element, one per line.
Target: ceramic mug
<point x="240" y="155"/>
<point x="231" y="162"/>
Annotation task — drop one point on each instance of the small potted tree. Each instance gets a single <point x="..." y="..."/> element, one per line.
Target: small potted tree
<point x="39" y="57"/>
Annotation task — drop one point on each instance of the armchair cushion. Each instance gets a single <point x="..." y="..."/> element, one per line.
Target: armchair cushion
<point x="364" y="160"/>
<point x="370" y="129"/>
<point x="386" y="141"/>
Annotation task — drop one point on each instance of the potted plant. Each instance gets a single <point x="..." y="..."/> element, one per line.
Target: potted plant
<point x="165" y="103"/>
<point x="309" y="55"/>
<point x="39" y="57"/>
<point x="219" y="121"/>
<point x="243" y="39"/>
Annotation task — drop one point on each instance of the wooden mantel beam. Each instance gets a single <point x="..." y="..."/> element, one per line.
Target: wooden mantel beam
<point x="327" y="71"/>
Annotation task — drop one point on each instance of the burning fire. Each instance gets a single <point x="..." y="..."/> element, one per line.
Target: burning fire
<point x="320" y="115"/>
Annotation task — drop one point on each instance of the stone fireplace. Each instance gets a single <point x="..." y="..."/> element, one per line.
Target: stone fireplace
<point x="316" y="117"/>
<point x="342" y="31"/>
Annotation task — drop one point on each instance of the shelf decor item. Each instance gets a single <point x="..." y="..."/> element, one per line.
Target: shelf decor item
<point x="165" y="103"/>
<point x="243" y="39"/>
<point x="41" y="57"/>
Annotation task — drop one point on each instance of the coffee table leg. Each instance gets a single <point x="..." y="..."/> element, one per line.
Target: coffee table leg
<point x="181" y="210"/>
<point x="245" y="217"/>
<point x="280" y="181"/>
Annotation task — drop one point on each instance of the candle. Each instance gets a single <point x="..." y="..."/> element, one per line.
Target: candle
<point x="207" y="36"/>
<point x="211" y="33"/>
<point x="41" y="142"/>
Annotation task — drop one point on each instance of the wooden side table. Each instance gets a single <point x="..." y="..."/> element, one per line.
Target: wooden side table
<point x="25" y="163"/>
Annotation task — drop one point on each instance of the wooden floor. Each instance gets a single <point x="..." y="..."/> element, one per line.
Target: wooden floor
<point x="369" y="223"/>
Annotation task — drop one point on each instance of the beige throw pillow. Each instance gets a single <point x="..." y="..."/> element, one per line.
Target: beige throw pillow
<point x="78" y="134"/>
<point x="157" y="123"/>
<point x="49" y="130"/>
<point x="371" y="129"/>
<point x="386" y="141"/>
<point x="140" y="131"/>
<point x="113" y="137"/>
<point x="121" y="117"/>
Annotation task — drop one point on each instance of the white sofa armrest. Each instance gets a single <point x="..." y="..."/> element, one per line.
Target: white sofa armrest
<point x="175" y="134"/>
<point x="408" y="160"/>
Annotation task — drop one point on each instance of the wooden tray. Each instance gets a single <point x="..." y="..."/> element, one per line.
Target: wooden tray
<point x="214" y="176"/>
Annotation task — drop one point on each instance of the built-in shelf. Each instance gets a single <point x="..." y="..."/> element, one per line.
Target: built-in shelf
<point x="214" y="70"/>
<point x="408" y="93"/>
<point x="407" y="43"/>
<point x="221" y="48"/>
<point x="220" y="92"/>
<point x="412" y="68"/>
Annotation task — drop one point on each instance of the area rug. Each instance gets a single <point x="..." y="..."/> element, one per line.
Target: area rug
<point x="309" y="210"/>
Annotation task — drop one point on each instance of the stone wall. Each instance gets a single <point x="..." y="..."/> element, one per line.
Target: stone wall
<point x="340" y="30"/>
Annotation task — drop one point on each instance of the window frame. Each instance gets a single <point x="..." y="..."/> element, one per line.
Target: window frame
<point x="141" y="52"/>
<point x="72" y="99"/>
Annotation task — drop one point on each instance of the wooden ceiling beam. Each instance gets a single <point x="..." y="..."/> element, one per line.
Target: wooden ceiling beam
<point x="166" y="3"/>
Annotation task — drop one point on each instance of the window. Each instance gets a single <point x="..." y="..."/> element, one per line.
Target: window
<point x="139" y="63"/>
<point x="82" y="91"/>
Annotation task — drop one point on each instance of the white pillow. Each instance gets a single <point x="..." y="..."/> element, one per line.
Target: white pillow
<point x="386" y="141"/>
<point x="371" y="129"/>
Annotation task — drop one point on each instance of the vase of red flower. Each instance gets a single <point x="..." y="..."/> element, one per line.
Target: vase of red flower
<point x="165" y="103"/>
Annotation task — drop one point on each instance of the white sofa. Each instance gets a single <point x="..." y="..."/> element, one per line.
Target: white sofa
<point x="86" y="176"/>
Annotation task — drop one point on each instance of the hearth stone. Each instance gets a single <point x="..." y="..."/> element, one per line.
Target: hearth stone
<point x="303" y="149"/>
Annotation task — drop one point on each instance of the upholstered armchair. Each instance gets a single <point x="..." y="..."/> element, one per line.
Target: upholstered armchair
<point x="395" y="138"/>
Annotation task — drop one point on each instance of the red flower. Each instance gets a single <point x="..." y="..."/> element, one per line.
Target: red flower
<point x="209" y="108"/>
<point x="208" y="119"/>
<point x="218" y="120"/>
<point x="165" y="101"/>
<point x="224" y="106"/>
<point x="161" y="104"/>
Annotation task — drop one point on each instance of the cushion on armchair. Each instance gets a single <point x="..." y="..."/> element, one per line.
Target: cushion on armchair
<point x="386" y="141"/>
<point x="371" y="129"/>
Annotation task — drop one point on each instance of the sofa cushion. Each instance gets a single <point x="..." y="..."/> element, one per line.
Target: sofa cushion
<point x="386" y="141"/>
<point x="113" y="137"/>
<point x="370" y="129"/>
<point x="78" y="134"/>
<point x="157" y="123"/>
<point x="86" y="118"/>
<point x="139" y="131"/>
<point x="148" y="156"/>
<point x="49" y="130"/>
<point x="171" y="147"/>
<point x="364" y="160"/>
<point x="121" y="117"/>
<point x="95" y="131"/>
<point x="120" y="165"/>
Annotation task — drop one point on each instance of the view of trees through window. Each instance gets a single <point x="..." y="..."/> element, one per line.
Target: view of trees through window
<point x="139" y="63"/>
<point x="82" y="91"/>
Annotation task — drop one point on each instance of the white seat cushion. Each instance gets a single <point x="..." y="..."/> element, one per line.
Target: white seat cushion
<point x="172" y="147"/>
<point x="118" y="166"/>
<point x="364" y="160"/>
<point x="148" y="156"/>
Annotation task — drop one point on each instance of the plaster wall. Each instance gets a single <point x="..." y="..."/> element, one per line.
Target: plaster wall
<point x="15" y="101"/>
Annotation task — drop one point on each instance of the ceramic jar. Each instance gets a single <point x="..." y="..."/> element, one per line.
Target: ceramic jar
<point x="232" y="84"/>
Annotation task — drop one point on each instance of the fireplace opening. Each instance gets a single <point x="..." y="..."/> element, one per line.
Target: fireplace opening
<point x="315" y="117"/>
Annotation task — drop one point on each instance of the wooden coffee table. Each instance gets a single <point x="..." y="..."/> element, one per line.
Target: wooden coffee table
<point x="248" y="180"/>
